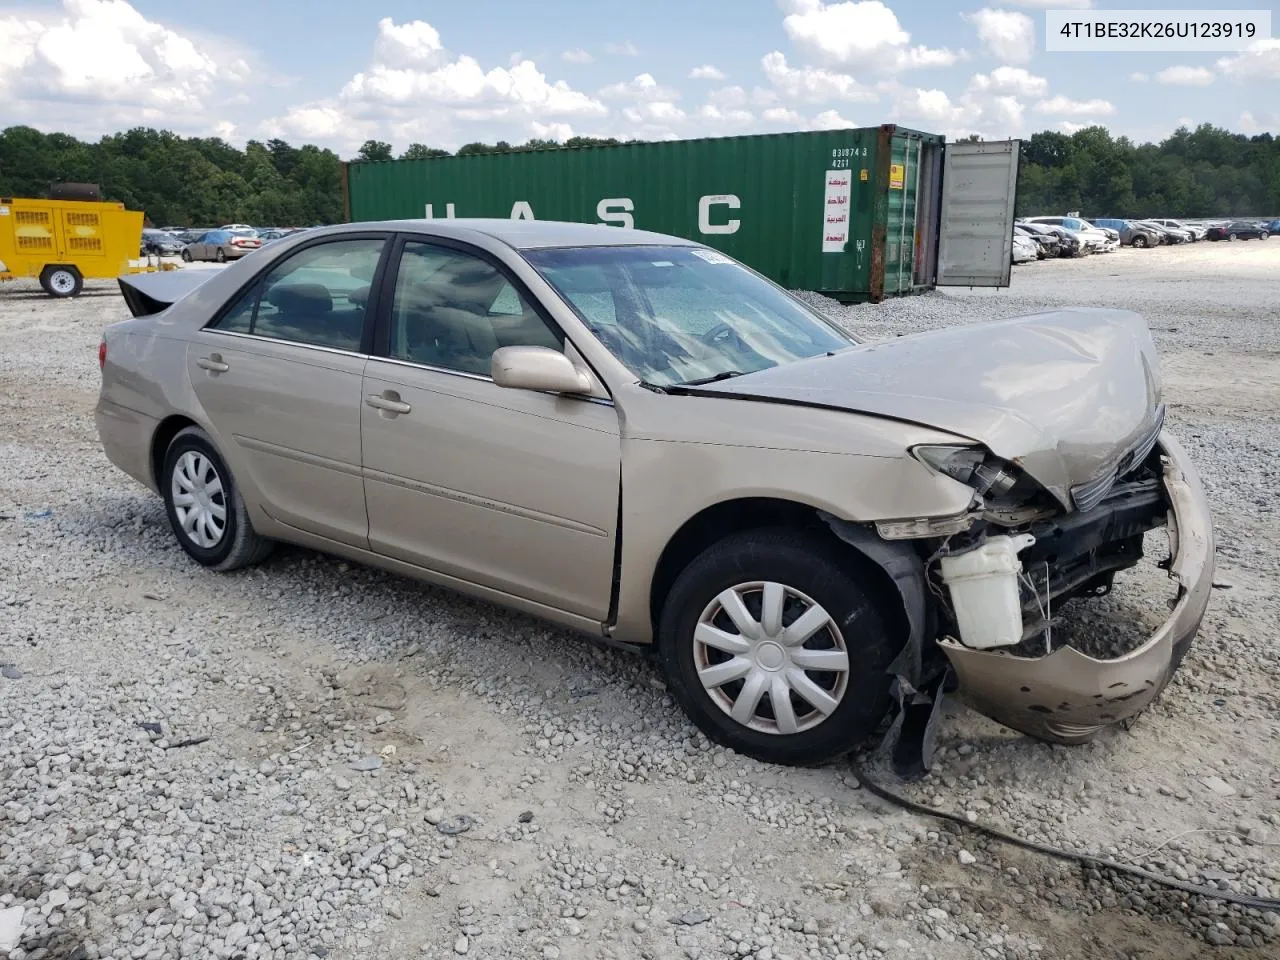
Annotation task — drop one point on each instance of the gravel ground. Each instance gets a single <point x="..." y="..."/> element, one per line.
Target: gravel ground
<point x="393" y="771"/>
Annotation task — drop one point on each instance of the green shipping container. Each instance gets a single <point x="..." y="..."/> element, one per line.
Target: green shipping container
<point x="854" y="214"/>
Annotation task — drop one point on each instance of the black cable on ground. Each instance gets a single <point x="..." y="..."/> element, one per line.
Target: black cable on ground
<point x="1241" y="899"/>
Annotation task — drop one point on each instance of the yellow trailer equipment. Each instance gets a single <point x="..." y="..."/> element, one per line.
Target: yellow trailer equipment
<point x="65" y="242"/>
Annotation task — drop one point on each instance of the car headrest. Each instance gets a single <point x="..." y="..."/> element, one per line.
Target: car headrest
<point x="307" y="298"/>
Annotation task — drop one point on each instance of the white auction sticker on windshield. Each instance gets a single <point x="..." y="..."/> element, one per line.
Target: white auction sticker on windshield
<point x="712" y="256"/>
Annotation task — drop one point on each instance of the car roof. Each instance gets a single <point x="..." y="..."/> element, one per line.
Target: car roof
<point x="531" y="234"/>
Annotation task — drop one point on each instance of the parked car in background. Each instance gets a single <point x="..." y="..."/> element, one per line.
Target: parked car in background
<point x="1098" y="241"/>
<point x="526" y="428"/>
<point x="1197" y="232"/>
<point x="1024" y="249"/>
<point x="1132" y="233"/>
<point x="1238" y="230"/>
<point x="159" y="243"/>
<point x="1048" y="245"/>
<point x="1273" y="227"/>
<point x="237" y="226"/>
<point x="220" y="246"/>
<point x="1070" y="243"/>
<point x="1168" y="235"/>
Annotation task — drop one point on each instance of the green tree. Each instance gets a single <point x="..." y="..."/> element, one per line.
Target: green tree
<point x="372" y="150"/>
<point x="420" y="151"/>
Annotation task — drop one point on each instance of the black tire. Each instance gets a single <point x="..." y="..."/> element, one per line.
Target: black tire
<point x="819" y="569"/>
<point x="1140" y="242"/>
<point x="186" y="255"/>
<point x="1263" y="236"/>
<point x="61" y="280"/>
<point x="220" y="255"/>
<point x="238" y="545"/>
<point x="1231" y="236"/>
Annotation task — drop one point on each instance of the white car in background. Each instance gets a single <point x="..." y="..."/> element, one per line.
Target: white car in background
<point x="1025" y="249"/>
<point x="1197" y="231"/>
<point x="1096" y="239"/>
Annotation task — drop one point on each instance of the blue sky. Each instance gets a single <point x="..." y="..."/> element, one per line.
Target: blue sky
<point x="445" y="72"/>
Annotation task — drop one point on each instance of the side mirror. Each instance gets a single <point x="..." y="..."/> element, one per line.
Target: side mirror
<point x="537" y="368"/>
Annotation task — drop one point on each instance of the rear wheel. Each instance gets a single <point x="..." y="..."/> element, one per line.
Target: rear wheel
<point x="771" y="644"/>
<point x="186" y="255"/>
<point x="204" y="506"/>
<point x="61" y="281"/>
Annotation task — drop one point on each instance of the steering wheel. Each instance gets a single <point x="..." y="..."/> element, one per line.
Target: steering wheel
<point x="719" y="336"/>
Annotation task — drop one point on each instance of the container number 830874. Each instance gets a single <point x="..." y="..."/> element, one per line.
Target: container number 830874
<point x="841" y="156"/>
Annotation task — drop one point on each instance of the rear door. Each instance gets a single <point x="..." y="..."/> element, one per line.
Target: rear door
<point x="975" y="233"/>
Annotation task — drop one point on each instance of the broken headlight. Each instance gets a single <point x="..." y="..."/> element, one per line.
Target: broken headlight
<point x="973" y="466"/>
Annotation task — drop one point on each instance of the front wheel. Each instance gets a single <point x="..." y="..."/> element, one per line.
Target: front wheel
<point x="220" y="256"/>
<point x="1140" y="242"/>
<point x="1231" y="236"/>
<point x="771" y="643"/>
<point x="204" y="506"/>
<point x="186" y="256"/>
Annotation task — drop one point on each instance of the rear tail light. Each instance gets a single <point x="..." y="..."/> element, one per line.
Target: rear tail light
<point x="102" y="354"/>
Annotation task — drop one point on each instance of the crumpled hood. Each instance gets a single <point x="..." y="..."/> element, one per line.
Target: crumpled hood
<point x="1063" y="394"/>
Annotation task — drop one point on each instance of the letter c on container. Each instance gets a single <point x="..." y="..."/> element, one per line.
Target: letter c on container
<point x="704" y="213"/>
<point x="617" y="211"/>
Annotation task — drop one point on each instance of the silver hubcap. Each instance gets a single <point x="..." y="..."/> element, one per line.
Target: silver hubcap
<point x="62" y="280"/>
<point x="771" y="658"/>
<point x="199" y="500"/>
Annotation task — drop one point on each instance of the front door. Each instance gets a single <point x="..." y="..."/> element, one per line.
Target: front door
<point x="279" y="378"/>
<point x="515" y="490"/>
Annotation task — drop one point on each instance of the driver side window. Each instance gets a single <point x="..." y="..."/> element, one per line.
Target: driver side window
<point x="453" y="310"/>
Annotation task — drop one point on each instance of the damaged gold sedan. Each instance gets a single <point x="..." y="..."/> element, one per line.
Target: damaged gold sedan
<point x="636" y="437"/>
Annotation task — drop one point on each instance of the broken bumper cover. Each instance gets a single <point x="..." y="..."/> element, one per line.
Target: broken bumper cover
<point x="1067" y="697"/>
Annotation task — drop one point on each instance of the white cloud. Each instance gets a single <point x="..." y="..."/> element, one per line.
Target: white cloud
<point x="643" y="87"/>
<point x="863" y="36"/>
<point x="830" y="120"/>
<point x="577" y="56"/>
<point x="107" y="53"/>
<point x="1254" y="123"/>
<point x="741" y="118"/>
<point x="1014" y="80"/>
<point x="813" y="84"/>
<point x="414" y="89"/>
<point x="1139" y="77"/>
<point x="706" y="72"/>
<point x="551" y="131"/>
<point x="1186" y="76"/>
<point x="1067" y="127"/>
<point x="1066" y="107"/>
<point x="657" y="111"/>
<point x="1005" y="35"/>
<point x="1260" y="62"/>
<point x="782" y="115"/>
<point x="624" y="49"/>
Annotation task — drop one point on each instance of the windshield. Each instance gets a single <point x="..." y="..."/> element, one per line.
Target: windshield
<point x="681" y="315"/>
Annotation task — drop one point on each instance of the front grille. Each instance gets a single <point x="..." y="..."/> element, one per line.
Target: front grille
<point x="1089" y="494"/>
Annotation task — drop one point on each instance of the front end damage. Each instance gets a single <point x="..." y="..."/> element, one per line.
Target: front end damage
<point x="997" y="581"/>
<point x="1067" y="696"/>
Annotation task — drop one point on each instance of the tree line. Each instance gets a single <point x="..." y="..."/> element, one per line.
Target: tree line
<point x="1206" y="172"/>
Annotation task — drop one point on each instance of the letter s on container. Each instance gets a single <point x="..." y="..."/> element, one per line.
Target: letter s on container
<point x="616" y="211"/>
<point x="704" y="213"/>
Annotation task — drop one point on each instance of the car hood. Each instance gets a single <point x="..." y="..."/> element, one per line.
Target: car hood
<point x="1065" y="394"/>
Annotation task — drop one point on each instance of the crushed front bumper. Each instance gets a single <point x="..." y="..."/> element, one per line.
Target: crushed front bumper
<point x="1067" y="697"/>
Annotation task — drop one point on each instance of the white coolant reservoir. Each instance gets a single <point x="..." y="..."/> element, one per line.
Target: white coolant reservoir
<point x="984" y="591"/>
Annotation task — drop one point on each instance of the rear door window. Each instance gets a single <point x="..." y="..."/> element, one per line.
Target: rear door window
<point x="317" y="296"/>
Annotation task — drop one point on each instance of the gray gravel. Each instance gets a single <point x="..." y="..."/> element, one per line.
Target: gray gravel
<point x="351" y="715"/>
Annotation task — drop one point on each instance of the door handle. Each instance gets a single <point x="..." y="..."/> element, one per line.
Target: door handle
<point x="213" y="363"/>
<point x="389" y="402"/>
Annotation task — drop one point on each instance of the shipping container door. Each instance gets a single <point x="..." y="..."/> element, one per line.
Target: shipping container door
<point x="975" y="227"/>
